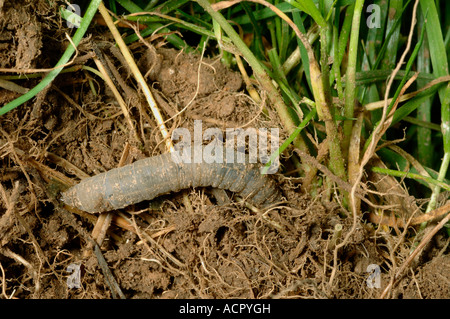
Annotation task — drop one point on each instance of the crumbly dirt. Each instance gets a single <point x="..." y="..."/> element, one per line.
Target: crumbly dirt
<point x="181" y="245"/>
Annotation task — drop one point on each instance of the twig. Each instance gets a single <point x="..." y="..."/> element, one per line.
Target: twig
<point x="69" y="219"/>
<point x="379" y="104"/>
<point x="158" y="246"/>
<point x="250" y="88"/>
<point x="9" y="202"/>
<point x="68" y="166"/>
<point x="101" y="226"/>
<point x="3" y="282"/>
<point x="118" y="97"/>
<point x="13" y="87"/>
<point x="110" y="280"/>
<point x="164" y="231"/>
<point x="21" y="260"/>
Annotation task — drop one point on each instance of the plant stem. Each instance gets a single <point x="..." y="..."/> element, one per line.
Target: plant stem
<point x="322" y="94"/>
<point x="442" y="172"/>
<point x="429" y="180"/>
<point x="434" y="196"/>
<point x="350" y="87"/>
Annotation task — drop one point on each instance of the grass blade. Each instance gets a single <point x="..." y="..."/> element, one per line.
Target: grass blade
<point x="350" y="88"/>
<point x="85" y="22"/>
<point x="290" y="139"/>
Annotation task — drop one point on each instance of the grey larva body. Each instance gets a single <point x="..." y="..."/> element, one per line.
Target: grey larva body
<point x="154" y="176"/>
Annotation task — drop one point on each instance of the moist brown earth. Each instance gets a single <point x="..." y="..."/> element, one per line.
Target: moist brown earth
<point x="182" y="245"/>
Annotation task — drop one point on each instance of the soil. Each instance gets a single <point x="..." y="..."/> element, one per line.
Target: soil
<point x="182" y="245"/>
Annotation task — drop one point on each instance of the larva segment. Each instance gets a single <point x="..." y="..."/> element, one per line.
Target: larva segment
<point x="154" y="176"/>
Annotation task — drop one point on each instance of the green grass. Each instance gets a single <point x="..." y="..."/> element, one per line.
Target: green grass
<point x="85" y="22"/>
<point x="344" y="64"/>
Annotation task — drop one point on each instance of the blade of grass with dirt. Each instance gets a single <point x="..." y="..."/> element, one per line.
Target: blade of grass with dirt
<point x="335" y="72"/>
<point x="309" y="8"/>
<point x="321" y="87"/>
<point x="85" y="22"/>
